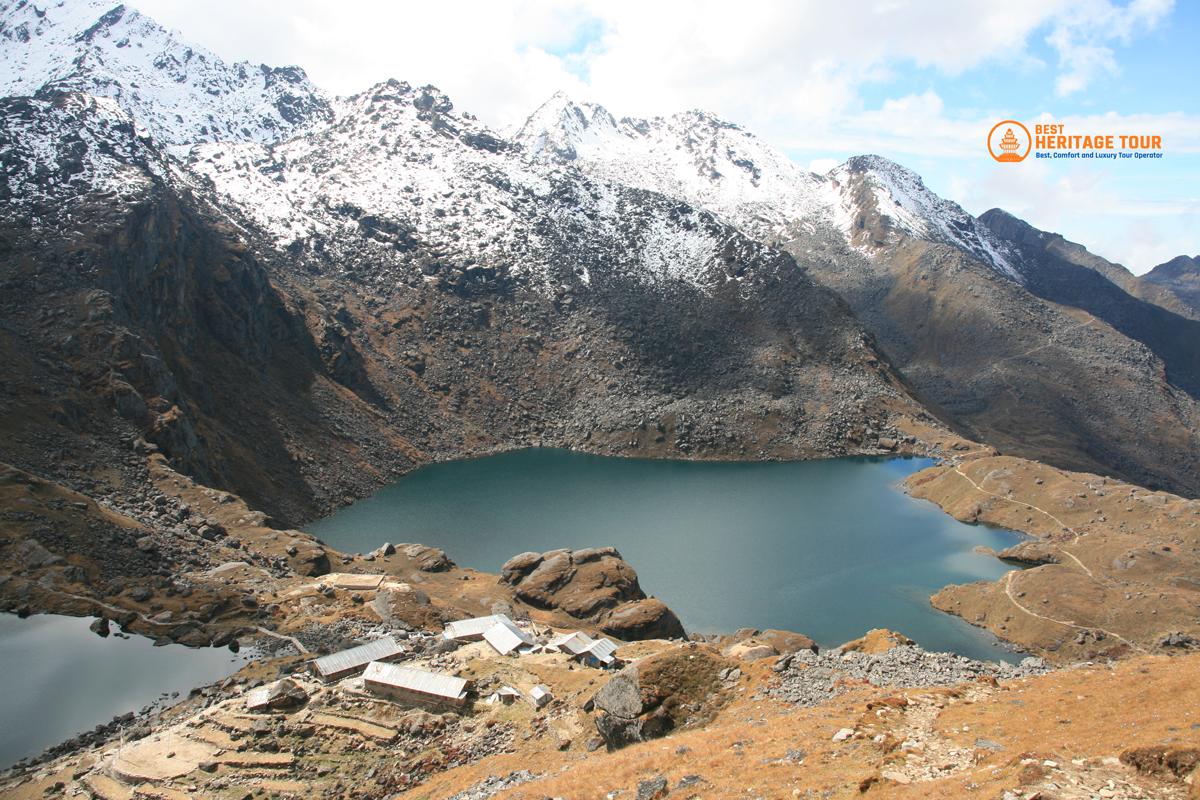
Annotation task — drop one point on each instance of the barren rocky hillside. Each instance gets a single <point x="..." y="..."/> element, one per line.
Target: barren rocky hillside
<point x="1015" y="335"/>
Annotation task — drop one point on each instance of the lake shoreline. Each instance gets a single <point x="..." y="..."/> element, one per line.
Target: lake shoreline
<point x="466" y="484"/>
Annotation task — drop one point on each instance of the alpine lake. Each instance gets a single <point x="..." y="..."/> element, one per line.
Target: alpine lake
<point x="62" y="680"/>
<point x="828" y="548"/>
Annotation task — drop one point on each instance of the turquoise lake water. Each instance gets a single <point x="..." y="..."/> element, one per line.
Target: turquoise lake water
<point x="828" y="548"/>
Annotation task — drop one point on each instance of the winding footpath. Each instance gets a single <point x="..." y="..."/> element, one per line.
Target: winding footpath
<point x="1008" y="578"/>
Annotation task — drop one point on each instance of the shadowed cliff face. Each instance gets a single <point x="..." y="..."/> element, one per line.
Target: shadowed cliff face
<point x="1179" y="279"/>
<point x="159" y="326"/>
<point x="1064" y="273"/>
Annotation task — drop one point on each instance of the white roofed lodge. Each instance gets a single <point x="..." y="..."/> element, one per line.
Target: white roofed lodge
<point x="540" y="695"/>
<point x="597" y="652"/>
<point x="472" y="630"/>
<point x="349" y="662"/>
<point x="416" y="686"/>
<point x="505" y="637"/>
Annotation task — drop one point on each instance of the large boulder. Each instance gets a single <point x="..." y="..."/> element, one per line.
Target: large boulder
<point x="406" y="607"/>
<point x="309" y="561"/>
<point x="680" y="687"/>
<point x="518" y="567"/>
<point x="32" y="555"/>
<point x="425" y="558"/>
<point x="593" y="584"/>
<point x="541" y="585"/>
<point x="751" y="644"/>
<point x="286" y="694"/>
<point x="643" y="619"/>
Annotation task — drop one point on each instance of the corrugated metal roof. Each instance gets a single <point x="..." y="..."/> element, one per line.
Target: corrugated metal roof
<point x="540" y="695"/>
<point x="603" y="649"/>
<point x="416" y="680"/>
<point x="573" y="643"/>
<point x="356" y="657"/>
<point x="467" y="628"/>
<point x="506" y="638"/>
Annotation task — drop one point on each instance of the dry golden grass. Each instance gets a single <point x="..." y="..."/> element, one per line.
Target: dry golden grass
<point x="1089" y="714"/>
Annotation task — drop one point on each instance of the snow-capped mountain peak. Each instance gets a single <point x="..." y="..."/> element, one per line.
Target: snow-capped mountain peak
<point x="911" y="208"/>
<point x="399" y="171"/>
<point x="182" y="94"/>
<point x="559" y="125"/>
<point x="717" y="165"/>
<point x="691" y="155"/>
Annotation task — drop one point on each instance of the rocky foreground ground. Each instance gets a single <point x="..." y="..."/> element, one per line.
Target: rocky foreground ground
<point x="684" y="719"/>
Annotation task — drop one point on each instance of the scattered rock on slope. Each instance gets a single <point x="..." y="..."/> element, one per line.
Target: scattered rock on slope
<point x="676" y="688"/>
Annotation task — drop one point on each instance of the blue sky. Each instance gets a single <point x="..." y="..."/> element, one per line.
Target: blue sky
<point x="918" y="81"/>
<point x="1140" y="213"/>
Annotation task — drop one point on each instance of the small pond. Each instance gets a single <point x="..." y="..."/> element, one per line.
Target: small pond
<point x="61" y="679"/>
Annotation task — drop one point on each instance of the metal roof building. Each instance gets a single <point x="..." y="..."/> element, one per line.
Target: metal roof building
<point x="348" y="662"/>
<point x="599" y="652"/>
<point x="540" y="695"/>
<point x="505" y="695"/>
<point x="573" y="643"/>
<point x="505" y="637"/>
<point x="466" y="630"/>
<point x="416" y="686"/>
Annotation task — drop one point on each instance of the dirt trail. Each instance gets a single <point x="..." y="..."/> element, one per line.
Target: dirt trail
<point x="1008" y="579"/>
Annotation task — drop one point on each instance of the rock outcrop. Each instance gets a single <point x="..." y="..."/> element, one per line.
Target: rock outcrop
<point x="751" y="644"/>
<point x="427" y="559"/>
<point x="593" y="584"/>
<point x="876" y="641"/>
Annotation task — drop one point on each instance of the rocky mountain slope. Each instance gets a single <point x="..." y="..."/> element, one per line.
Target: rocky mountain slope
<point x="230" y="303"/>
<point x="1179" y="278"/>
<point x="1000" y="327"/>
<point x="299" y="321"/>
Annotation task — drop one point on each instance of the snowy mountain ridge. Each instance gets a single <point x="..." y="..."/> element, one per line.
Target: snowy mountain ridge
<point x="692" y="155"/>
<point x="401" y="168"/>
<point x="181" y="93"/>
<point x="288" y="157"/>
<point x="723" y="168"/>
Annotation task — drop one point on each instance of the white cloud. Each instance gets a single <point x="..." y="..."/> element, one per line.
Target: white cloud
<point x="1113" y="211"/>
<point x="770" y="64"/>
<point x="1083" y="39"/>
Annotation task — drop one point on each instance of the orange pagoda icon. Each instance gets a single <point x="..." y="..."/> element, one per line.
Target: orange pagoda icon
<point x="1009" y="144"/>
<point x="1012" y="146"/>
